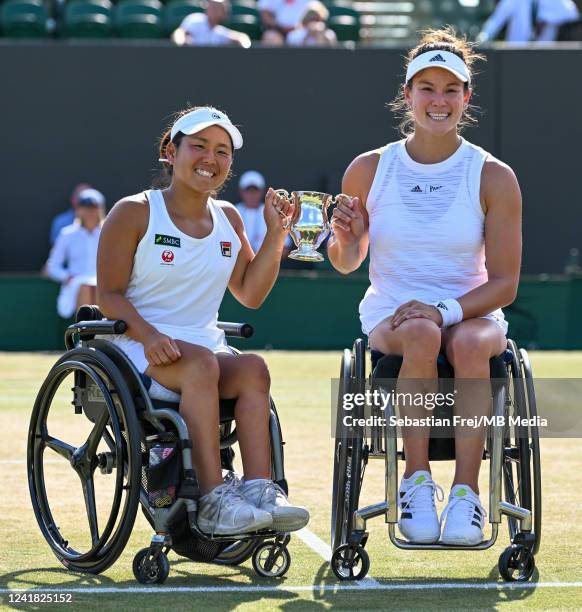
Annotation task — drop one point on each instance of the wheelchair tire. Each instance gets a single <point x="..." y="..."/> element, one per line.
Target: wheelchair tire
<point x="354" y="568"/>
<point x="152" y="571"/>
<point x="521" y="461"/>
<point x="116" y="426"/>
<point x="271" y="560"/>
<point x="349" y="456"/>
<point x="516" y="563"/>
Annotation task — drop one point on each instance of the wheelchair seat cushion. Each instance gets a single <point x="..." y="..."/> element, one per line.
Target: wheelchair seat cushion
<point x="162" y="397"/>
<point x="388" y="366"/>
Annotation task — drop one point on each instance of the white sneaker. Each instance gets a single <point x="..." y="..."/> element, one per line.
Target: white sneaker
<point x="464" y="517"/>
<point x="418" y="521"/>
<point x="268" y="496"/>
<point x="224" y="511"/>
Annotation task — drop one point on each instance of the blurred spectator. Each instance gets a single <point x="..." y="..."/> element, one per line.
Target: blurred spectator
<point x="251" y="188"/>
<point x="551" y="15"/>
<point x="517" y="16"/>
<point x="283" y="15"/>
<point x="73" y="259"/>
<point x="313" y="31"/>
<point x="66" y="218"/>
<point x="206" y="29"/>
<point x="273" y="38"/>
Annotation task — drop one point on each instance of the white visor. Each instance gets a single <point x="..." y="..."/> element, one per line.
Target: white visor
<point x="439" y="59"/>
<point x="200" y="119"/>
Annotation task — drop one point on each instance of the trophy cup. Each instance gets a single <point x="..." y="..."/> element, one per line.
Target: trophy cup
<point x="309" y="225"/>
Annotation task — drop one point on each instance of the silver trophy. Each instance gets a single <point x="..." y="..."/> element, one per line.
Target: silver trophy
<point x="309" y="224"/>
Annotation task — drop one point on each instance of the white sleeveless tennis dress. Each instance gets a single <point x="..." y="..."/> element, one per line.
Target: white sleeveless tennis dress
<point x="426" y="231"/>
<point x="177" y="282"/>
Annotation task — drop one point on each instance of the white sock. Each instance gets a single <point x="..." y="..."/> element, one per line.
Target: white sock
<point x="253" y="480"/>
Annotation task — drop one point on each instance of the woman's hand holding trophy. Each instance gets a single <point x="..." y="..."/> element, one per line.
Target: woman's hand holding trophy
<point x="306" y="217"/>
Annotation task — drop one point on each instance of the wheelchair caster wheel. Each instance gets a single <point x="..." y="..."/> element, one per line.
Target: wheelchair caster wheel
<point x="516" y="563"/>
<point x="271" y="560"/>
<point x="150" y="571"/>
<point x="349" y="562"/>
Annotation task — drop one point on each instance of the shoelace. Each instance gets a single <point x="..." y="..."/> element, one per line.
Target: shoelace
<point x="469" y="507"/>
<point x="230" y="490"/>
<point x="270" y="486"/>
<point x="409" y="497"/>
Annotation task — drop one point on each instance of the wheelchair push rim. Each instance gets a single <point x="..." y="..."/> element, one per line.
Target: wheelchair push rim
<point x="521" y="462"/>
<point x="349" y="460"/>
<point x="116" y="426"/>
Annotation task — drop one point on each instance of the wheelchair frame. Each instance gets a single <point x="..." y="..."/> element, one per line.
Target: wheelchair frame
<point x="515" y="467"/>
<point x="99" y="365"/>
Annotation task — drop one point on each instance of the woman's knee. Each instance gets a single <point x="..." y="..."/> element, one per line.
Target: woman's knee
<point x="200" y="369"/>
<point x="465" y="349"/>
<point x="256" y="373"/>
<point x="420" y="337"/>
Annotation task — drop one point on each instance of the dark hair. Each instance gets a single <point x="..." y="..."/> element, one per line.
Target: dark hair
<point x="445" y="39"/>
<point x="164" y="178"/>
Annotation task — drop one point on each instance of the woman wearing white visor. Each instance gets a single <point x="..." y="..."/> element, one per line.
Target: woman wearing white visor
<point x="442" y="219"/>
<point x="165" y="260"/>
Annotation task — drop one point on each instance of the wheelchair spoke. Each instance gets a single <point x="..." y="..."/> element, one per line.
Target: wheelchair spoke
<point x="62" y="448"/>
<point x="96" y="434"/>
<point x="89" y="494"/>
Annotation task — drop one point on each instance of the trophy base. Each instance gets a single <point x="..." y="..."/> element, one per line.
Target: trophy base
<point x="303" y="256"/>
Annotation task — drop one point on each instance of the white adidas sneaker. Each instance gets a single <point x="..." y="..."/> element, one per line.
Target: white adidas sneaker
<point x="463" y="517"/>
<point x="418" y="520"/>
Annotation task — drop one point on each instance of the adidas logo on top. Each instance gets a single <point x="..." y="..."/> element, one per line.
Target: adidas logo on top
<point x="416" y="189"/>
<point x="438" y="58"/>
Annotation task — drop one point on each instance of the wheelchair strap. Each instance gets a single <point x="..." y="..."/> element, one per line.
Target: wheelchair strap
<point x="186" y="443"/>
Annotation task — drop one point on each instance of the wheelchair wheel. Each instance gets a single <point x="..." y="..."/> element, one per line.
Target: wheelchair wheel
<point x="271" y="560"/>
<point x="516" y="563"/>
<point x="349" y="457"/>
<point x="350" y="563"/>
<point x="521" y="460"/>
<point x="150" y="571"/>
<point x="111" y="443"/>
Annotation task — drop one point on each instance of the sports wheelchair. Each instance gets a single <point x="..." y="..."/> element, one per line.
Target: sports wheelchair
<point x="142" y="449"/>
<point x="514" y="453"/>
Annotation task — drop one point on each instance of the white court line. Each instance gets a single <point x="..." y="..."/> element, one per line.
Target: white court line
<point x="324" y="551"/>
<point x="412" y="586"/>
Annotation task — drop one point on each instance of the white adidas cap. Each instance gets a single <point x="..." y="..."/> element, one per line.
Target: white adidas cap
<point x="439" y="59"/>
<point x="201" y="118"/>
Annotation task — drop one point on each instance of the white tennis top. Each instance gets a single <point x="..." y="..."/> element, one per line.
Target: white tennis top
<point x="177" y="282"/>
<point x="426" y="231"/>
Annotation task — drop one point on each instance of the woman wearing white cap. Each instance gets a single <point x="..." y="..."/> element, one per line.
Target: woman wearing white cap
<point x="165" y="260"/>
<point x="442" y="219"/>
<point x="73" y="258"/>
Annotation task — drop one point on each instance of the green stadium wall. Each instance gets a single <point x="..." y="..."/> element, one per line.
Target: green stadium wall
<point x="305" y="311"/>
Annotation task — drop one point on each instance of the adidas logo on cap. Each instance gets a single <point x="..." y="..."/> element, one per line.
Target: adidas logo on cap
<point x="438" y="58"/>
<point x="416" y="189"/>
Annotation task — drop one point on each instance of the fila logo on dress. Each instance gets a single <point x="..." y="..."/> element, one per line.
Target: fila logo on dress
<point x="226" y="249"/>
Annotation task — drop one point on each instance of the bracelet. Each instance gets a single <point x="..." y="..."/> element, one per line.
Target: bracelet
<point x="451" y="312"/>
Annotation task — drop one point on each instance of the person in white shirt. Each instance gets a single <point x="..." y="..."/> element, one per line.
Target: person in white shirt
<point x="313" y="31"/>
<point x="517" y="16"/>
<point x="165" y="260"/>
<point x="441" y="218"/>
<point x="72" y="261"/>
<point x="206" y="29"/>
<point x="251" y="188"/>
<point x="282" y="14"/>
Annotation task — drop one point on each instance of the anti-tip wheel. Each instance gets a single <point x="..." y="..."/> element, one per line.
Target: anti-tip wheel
<point x="516" y="563"/>
<point x="350" y="563"/>
<point x="271" y="560"/>
<point x="150" y="571"/>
